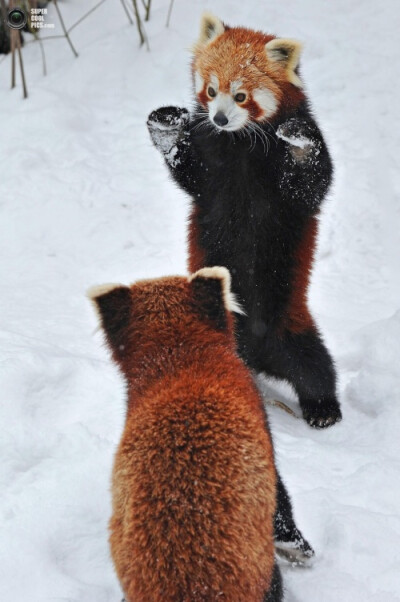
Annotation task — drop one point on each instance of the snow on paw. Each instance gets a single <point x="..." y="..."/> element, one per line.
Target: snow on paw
<point x="299" y="139"/>
<point x="296" y="553"/>
<point x="166" y="118"/>
<point x="291" y="545"/>
<point x="321" y="415"/>
<point x="167" y="128"/>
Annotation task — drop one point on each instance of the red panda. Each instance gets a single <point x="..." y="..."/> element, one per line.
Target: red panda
<point x="257" y="169"/>
<point x="194" y="480"/>
<point x="243" y="76"/>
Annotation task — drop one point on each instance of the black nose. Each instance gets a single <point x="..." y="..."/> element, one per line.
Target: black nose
<point x="220" y="119"/>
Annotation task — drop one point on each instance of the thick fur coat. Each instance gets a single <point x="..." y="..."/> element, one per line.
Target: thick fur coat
<point x="194" y="482"/>
<point x="257" y="169"/>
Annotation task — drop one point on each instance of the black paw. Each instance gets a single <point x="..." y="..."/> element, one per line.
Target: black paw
<point x="300" y="139"/>
<point x="296" y="550"/>
<point x="321" y="415"/>
<point x="167" y="129"/>
<point x="289" y="541"/>
<point x="168" y="118"/>
<point x="295" y="128"/>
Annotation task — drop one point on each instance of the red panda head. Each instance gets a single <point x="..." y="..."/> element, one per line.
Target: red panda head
<point x="243" y="76"/>
<point x="145" y="322"/>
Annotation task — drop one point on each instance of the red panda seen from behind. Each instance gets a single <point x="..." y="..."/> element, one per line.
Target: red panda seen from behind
<point x="194" y="480"/>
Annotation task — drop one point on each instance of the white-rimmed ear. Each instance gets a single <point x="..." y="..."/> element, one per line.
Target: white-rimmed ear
<point x="210" y="28"/>
<point x="113" y="304"/>
<point x="286" y="52"/>
<point x="212" y="293"/>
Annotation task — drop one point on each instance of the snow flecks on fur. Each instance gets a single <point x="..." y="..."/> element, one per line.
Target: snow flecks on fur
<point x="303" y="145"/>
<point x="165" y="139"/>
<point x="299" y="141"/>
<point x="167" y="133"/>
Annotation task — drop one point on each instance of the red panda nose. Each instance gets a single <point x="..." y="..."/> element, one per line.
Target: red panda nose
<point x="220" y="119"/>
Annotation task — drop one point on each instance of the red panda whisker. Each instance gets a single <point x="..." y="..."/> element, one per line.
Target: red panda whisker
<point x="266" y="135"/>
<point x="203" y="123"/>
<point x="253" y="146"/>
<point x="259" y="133"/>
<point x="252" y="143"/>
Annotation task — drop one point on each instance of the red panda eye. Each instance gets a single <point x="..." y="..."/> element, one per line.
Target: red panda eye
<point x="240" y="97"/>
<point x="211" y="92"/>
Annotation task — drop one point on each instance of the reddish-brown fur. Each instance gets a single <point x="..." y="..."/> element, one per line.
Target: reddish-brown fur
<point x="239" y="54"/>
<point x="196" y="259"/>
<point x="298" y="318"/>
<point x="194" y="481"/>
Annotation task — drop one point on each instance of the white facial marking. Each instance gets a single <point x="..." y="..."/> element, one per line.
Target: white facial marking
<point x="235" y="86"/>
<point x="214" y="82"/>
<point x="198" y="82"/>
<point x="266" y="101"/>
<point x="237" y="116"/>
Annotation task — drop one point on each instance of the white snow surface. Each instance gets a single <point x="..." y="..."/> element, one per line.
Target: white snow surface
<point x="85" y="199"/>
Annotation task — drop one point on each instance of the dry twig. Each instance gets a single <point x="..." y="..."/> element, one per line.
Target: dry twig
<point x="21" y="64"/>
<point x="171" y="5"/>
<point x="64" y="28"/>
<point x="127" y="11"/>
<point x="147" y="7"/>
<point x="280" y="404"/>
<point x="139" y="24"/>
<point x="89" y="12"/>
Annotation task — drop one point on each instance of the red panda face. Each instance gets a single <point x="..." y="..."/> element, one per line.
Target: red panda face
<point x="243" y="76"/>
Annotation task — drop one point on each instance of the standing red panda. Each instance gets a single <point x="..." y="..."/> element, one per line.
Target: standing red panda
<point x="194" y="481"/>
<point x="257" y="168"/>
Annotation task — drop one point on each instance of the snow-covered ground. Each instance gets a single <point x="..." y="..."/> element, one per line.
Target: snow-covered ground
<point x="85" y="199"/>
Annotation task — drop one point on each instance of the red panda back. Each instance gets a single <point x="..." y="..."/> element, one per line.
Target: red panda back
<point x="194" y="490"/>
<point x="194" y="482"/>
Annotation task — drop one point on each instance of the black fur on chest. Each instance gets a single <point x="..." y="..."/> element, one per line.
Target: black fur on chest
<point x="243" y="221"/>
<point x="255" y="208"/>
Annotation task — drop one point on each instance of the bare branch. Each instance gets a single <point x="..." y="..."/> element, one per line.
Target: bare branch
<point x="12" y="40"/>
<point x="126" y="11"/>
<point x="58" y="37"/>
<point x="148" y="7"/>
<point x="138" y="22"/>
<point x="15" y="40"/>
<point x="13" y="32"/>
<point x="171" y="5"/>
<point x="64" y="28"/>
<point x="21" y="65"/>
<point x="43" y="55"/>
<point x="86" y="15"/>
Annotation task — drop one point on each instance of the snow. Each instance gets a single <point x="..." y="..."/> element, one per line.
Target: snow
<point x="85" y="199"/>
<point x="299" y="141"/>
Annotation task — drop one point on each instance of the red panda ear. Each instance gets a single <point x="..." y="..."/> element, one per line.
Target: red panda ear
<point x="210" y="28"/>
<point x="287" y="52"/>
<point x="212" y="293"/>
<point x="113" y="303"/>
